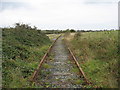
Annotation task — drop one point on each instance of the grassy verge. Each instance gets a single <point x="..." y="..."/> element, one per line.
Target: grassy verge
<point x="97" y="53"/>
<point x="22" y="50"/>
<point x="53" y="36"/>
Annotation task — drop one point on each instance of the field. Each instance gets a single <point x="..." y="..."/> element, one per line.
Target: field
<point x="97" y="53"/>
<point x="52" y="37"/>
<point x="23" y="49"/>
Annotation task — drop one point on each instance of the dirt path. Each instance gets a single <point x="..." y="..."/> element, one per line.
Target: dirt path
<point x="59" y="71"/>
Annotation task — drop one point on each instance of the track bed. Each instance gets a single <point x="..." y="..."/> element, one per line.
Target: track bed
<point x="59" y="70"/>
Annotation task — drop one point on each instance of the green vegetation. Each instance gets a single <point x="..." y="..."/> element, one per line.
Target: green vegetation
<point x="44" y="72"/>
<point x="75" y="69"/>
<point x="53" y="37"/>
<point x="69" y="62"/>
<point x="57" y="31"/>
<point x="46" y="66"/>
<point x="78" y="81"/>
<point x="23" y="48"/>
<point x="97" y="53"/>
<point x="52" y="31"/>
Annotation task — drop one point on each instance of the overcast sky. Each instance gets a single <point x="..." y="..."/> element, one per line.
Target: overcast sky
<point x="60" y="14"/>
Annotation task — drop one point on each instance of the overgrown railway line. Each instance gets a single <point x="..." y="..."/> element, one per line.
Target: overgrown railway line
<point x="59" y="67"/>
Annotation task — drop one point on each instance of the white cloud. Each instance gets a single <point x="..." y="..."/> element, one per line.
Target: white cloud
<point x="62" y="14"/>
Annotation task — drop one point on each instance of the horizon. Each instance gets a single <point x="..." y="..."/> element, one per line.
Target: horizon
<point x="66" y="29"/>
<point x="61" y="14"/>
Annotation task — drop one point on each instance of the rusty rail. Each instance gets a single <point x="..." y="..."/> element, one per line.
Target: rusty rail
<point x="78" y="65"/>
<point x="34" y="76"/>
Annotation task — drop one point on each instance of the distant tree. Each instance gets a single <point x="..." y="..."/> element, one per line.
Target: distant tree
<point x="24" y="26"/>
<point x="35" y="28"/>
<point x="72" y="30"/>
<point x="67" y="30"/>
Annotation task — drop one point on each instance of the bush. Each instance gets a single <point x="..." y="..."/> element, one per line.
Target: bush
<point x="23" y="47"/>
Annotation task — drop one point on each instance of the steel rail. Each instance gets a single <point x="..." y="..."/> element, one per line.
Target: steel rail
<point x="34" y="76"/>
<point x="78" y="65"/>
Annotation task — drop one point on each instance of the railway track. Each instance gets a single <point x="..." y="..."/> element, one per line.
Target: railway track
<point x="61" y="69"/>
<point x="42" y="60"/>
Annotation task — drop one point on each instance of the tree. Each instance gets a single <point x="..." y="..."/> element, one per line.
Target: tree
<point x="72" y="30"/>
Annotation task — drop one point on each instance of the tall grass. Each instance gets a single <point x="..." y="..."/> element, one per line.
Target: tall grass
<point x="97" y="53"/>
<point x="22" y="50"/>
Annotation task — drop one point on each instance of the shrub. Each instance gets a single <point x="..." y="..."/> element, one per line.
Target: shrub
<point x="23" y="47"/>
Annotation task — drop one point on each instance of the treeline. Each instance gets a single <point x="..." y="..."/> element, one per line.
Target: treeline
<point x="71" y="31"/>
<point x="28" y="27"/>
<point x="57" y="31"/>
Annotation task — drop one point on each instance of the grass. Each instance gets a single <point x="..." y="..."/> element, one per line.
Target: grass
<point x="44" y="72"/>
<point x="51" y="57"/>
<point x="69" y="62"/>
<point x="46" y="65"/>
<point x="22" y="50"/>
<point x="100" y="73"/>
<point x="75" y="69"/>
<point x="97" y="53"/>
<point x="52" y="36"/>
<point x="78" y="81"/>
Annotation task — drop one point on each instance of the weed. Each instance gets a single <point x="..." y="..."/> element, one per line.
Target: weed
<point x="75" y="69"/>
<point x="97" y="53"/>
<point x="69" y="62"/>
<point x="78" y="81"/>
<point x="46" y="65"/>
